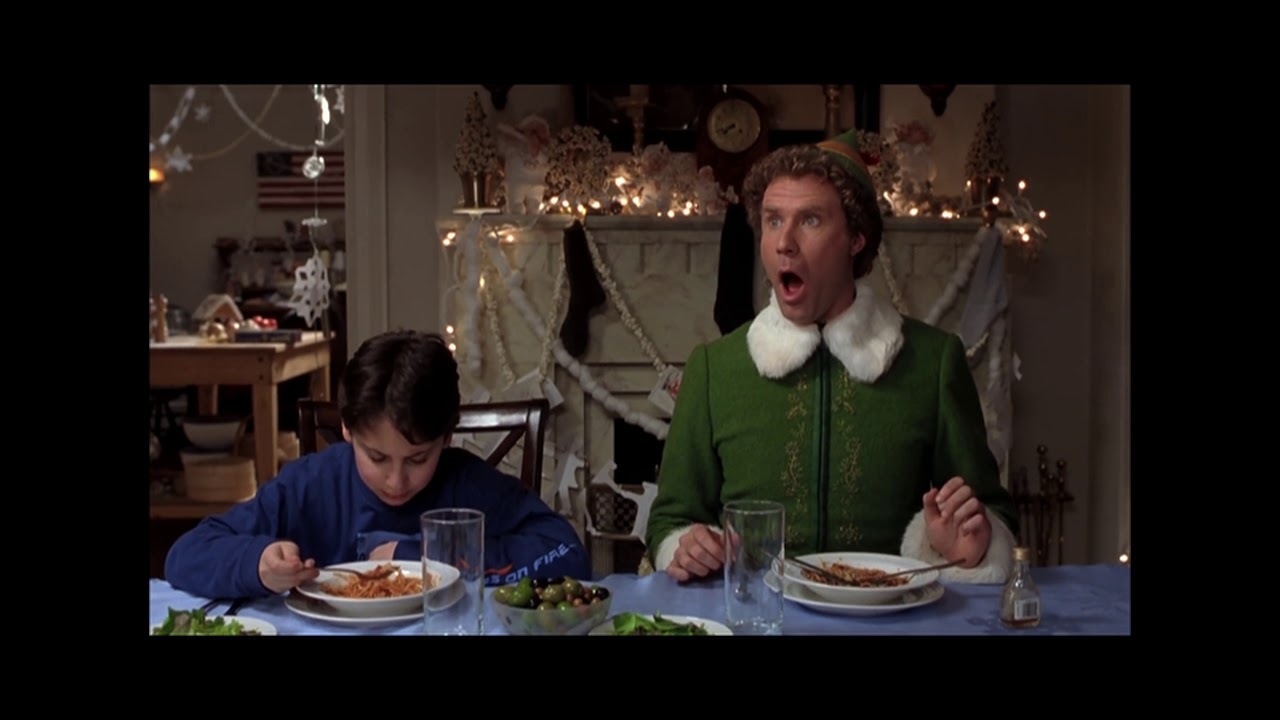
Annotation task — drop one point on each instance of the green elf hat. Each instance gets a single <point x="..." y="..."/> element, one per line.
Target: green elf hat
<point x="844" y="148"/>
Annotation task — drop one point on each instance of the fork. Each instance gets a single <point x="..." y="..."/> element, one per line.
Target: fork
<point x="386" y="570"/>
<point x="205" y="608"/>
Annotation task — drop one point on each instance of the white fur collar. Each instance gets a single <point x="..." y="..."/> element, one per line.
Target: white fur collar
<point x="865" y="338"/>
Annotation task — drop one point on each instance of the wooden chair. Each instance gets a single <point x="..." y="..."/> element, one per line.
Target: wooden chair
<point x="527" y="419"/>
<point x="318" y="420"/>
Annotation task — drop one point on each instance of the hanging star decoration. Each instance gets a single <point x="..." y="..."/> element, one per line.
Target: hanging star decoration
<point x="340" y="103"/>
<point x="178" y="161"/>
<point x="202" y="112"/>
<point x="311" y="290"/>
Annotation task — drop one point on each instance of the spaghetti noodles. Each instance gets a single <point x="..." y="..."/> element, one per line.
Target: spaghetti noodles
<point x="857" y="576"/>
<point x="397" y="584"/>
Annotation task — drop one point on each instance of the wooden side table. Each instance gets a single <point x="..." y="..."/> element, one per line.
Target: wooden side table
<point x="187" y="360"/>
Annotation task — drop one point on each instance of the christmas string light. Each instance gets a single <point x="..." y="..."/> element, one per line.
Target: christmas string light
<point x="490" y="297"/>
<point x="886" y="269"/>
<point x="470" y="332"/>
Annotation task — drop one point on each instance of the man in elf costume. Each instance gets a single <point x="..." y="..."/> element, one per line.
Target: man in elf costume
<point x="864" y="424"/>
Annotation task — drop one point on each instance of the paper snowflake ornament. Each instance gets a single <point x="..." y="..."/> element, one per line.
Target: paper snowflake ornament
<point x="311" y="290"/>
<point x="178" y="161"/>
<point x="202" y="112"/>
<point x="567" y="465"/>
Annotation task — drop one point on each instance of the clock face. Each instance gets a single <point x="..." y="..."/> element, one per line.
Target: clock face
<point x="733" y="125"/>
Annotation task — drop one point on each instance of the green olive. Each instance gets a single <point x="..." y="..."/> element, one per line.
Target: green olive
<point x="572" y="588"/>
<point x="544" y="605"/>
<point x="503" y="594"/>
<point x="520" y="596"/>
<point x="553" y="593"/>
<point x="565" y="605"/>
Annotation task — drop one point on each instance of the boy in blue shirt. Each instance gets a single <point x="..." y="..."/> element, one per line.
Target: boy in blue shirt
<point x="362" y="499"/>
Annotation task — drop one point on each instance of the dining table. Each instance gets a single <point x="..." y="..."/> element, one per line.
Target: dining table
<point x="1075" y="600"/>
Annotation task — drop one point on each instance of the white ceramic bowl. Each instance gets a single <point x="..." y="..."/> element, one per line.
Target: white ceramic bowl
<point x="860" y="595"/>
<point x="445" y="575"/>
<point x="212" y="433"/>
<point x="195" y="456"/>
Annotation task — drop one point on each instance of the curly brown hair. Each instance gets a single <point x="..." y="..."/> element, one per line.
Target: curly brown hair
<point x="861" y="211"/>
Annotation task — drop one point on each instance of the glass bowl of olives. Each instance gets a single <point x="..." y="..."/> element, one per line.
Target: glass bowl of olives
<point x="550" y="606"/>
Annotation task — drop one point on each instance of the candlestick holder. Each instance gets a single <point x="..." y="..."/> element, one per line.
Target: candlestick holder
<point x="1042" y="510"/>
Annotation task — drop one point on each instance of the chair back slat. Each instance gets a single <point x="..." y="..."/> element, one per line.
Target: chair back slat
<point x="520" y="420"/>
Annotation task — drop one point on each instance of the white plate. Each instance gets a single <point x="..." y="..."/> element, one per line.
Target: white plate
<point x="801" y="595"/>
<point x="711" y="626"/>
<point x="248" y="623"/>
<point x="846" y="595"/>
<point x="377" y="607"/>
<point x="307" y="607"/>
<point x="317" y="610"/>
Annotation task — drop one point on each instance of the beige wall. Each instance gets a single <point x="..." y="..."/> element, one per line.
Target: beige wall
<point x="1070" y="322"/>
<point x="1071" y="311"/>
<point x="218" y="197"/>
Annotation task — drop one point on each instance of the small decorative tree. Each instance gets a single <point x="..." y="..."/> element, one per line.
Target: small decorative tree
<point x="985" y="165"/>
<point x="476" y="157"/>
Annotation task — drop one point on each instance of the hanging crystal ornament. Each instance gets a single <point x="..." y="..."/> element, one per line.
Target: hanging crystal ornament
<point x="314" y="166"/>
<point x="311" y="286"/>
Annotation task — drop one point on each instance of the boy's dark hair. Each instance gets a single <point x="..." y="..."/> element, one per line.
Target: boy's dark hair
<point x="406" y="375"/>
<point x="861" y="211"/>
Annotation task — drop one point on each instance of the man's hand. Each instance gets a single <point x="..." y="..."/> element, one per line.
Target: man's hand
<point x="700" y="553"/>
<point x="956" y="523"/>
<point x="281" y="567"/>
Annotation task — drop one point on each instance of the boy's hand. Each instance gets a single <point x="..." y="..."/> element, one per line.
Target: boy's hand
<point x="281" y="567"/>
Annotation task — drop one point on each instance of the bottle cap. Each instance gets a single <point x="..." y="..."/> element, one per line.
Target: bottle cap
<point x="1021" y="553"/>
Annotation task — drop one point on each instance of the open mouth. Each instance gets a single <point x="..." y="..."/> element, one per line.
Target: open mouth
<point x="790" y="284"/>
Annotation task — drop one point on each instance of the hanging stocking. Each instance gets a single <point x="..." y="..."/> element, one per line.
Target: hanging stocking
<point x="585" y="291"/>
<point x="734" y="304"/>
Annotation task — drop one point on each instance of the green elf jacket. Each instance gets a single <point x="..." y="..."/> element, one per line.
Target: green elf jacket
<point x="848" y="426"/>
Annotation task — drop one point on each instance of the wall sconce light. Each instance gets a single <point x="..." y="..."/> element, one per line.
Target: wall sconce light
<point x="157" y="177"/>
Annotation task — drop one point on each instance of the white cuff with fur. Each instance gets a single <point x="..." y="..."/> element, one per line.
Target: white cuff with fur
<point x="994" y="568"/>
<point x="667" y="548"/>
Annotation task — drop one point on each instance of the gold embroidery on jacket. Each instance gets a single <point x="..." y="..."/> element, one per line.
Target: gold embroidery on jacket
<point x="848" y="535"/>
<point x="793" y="484"/>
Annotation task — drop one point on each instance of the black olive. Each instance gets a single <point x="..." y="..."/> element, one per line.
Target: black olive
<point x="600" y="591"/>
<point x="541" y="582"/>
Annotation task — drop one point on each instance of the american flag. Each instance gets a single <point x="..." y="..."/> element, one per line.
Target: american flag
<point x="281" y="184"/>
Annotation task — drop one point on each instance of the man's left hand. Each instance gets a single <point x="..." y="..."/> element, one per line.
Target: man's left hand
<point x="956" y="523"/>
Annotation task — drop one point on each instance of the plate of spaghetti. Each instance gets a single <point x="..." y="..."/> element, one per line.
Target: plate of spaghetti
<point x="397" y="594"/>
<point x="863" y="571"/>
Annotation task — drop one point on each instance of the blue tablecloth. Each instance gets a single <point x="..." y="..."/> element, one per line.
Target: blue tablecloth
<point x="1076" y="600"/>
